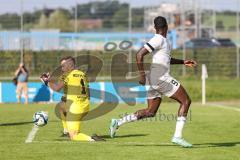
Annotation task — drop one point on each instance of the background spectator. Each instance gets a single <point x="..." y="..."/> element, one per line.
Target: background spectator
<point x="22" y="78"/>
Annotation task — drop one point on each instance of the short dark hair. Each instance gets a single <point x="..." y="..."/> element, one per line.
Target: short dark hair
<point x="160" y="23"/>
<point x="68" y="58"/>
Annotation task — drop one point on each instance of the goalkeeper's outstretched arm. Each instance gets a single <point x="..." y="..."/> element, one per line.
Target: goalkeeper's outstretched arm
<point x="56" y="86"/>
<point x="48" y="81"/>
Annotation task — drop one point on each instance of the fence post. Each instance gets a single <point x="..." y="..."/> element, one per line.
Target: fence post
<point x="204" y="76"/>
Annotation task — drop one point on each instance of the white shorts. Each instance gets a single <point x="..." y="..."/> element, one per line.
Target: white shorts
<point x="162" y="86"/>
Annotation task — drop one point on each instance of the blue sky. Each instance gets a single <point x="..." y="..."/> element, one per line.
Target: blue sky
<point x="30" y="5"/>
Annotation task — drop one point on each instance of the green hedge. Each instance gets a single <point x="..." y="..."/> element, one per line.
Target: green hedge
<point x="221" y="62"/>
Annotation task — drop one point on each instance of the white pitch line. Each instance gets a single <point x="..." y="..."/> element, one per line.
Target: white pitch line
<point x="32" y="134"/>
<point x="224" y="106"/>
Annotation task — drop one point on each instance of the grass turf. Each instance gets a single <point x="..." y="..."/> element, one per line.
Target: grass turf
<point x="213" y="131"/>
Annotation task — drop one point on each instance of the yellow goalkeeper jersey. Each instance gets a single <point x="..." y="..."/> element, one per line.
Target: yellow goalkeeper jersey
<point x="75" y="85"/>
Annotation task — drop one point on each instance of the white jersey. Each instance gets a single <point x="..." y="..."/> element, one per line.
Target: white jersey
<point x="160" y="48"/>
<point x="158" y="79"/>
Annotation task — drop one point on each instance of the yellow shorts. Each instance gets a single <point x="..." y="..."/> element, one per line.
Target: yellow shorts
<point x="77" y="110"/>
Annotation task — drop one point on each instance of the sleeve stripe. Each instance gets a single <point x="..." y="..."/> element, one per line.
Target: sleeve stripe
<point x="150" y="46"/>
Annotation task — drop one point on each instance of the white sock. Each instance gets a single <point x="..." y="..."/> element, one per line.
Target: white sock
<point x="65" y="131"/>
<point x="179" y="126"/>
<point x="126" y="119"/>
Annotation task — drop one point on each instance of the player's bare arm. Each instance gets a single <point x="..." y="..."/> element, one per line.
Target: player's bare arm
<point x="19" y="68"/>
<point x="139" y="59"/>
<point x="188" y="63"/>
<point x="23" y="71"/>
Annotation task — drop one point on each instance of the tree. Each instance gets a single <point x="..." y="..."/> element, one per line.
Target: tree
<point x="137" y="17"/>
<point x="43" y="21"/>
<point x="10" y="21"/>
<point x="59" y="19"/>
<point x="96" y="10"/>
<point x="120" y="18"/>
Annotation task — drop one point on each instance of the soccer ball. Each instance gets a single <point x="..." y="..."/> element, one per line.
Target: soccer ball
<point x="40" y="118"/>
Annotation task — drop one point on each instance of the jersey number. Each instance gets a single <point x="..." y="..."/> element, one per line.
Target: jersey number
<point x="83" y="87"/>
<point x="174" y="82"/>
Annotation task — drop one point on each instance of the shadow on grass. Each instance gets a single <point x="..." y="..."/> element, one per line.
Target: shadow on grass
<point x="20" y="123"/>
<point x="224" y="144"/>
<point x="148" y="145"/>
<point x="15" y="123"/>
<point x="202" y="145"/>
<point x="63" y="139"/>
<point x="124" y="136"/>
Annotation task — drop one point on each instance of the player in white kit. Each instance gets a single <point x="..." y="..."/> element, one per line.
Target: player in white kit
<point x="160" y="82"/>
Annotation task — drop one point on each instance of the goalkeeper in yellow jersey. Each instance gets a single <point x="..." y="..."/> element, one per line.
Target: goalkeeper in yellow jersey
<point x="76" y="106"/>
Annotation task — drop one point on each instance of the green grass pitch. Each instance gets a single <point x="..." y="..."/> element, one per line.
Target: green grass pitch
<point x="214" y="132"/>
